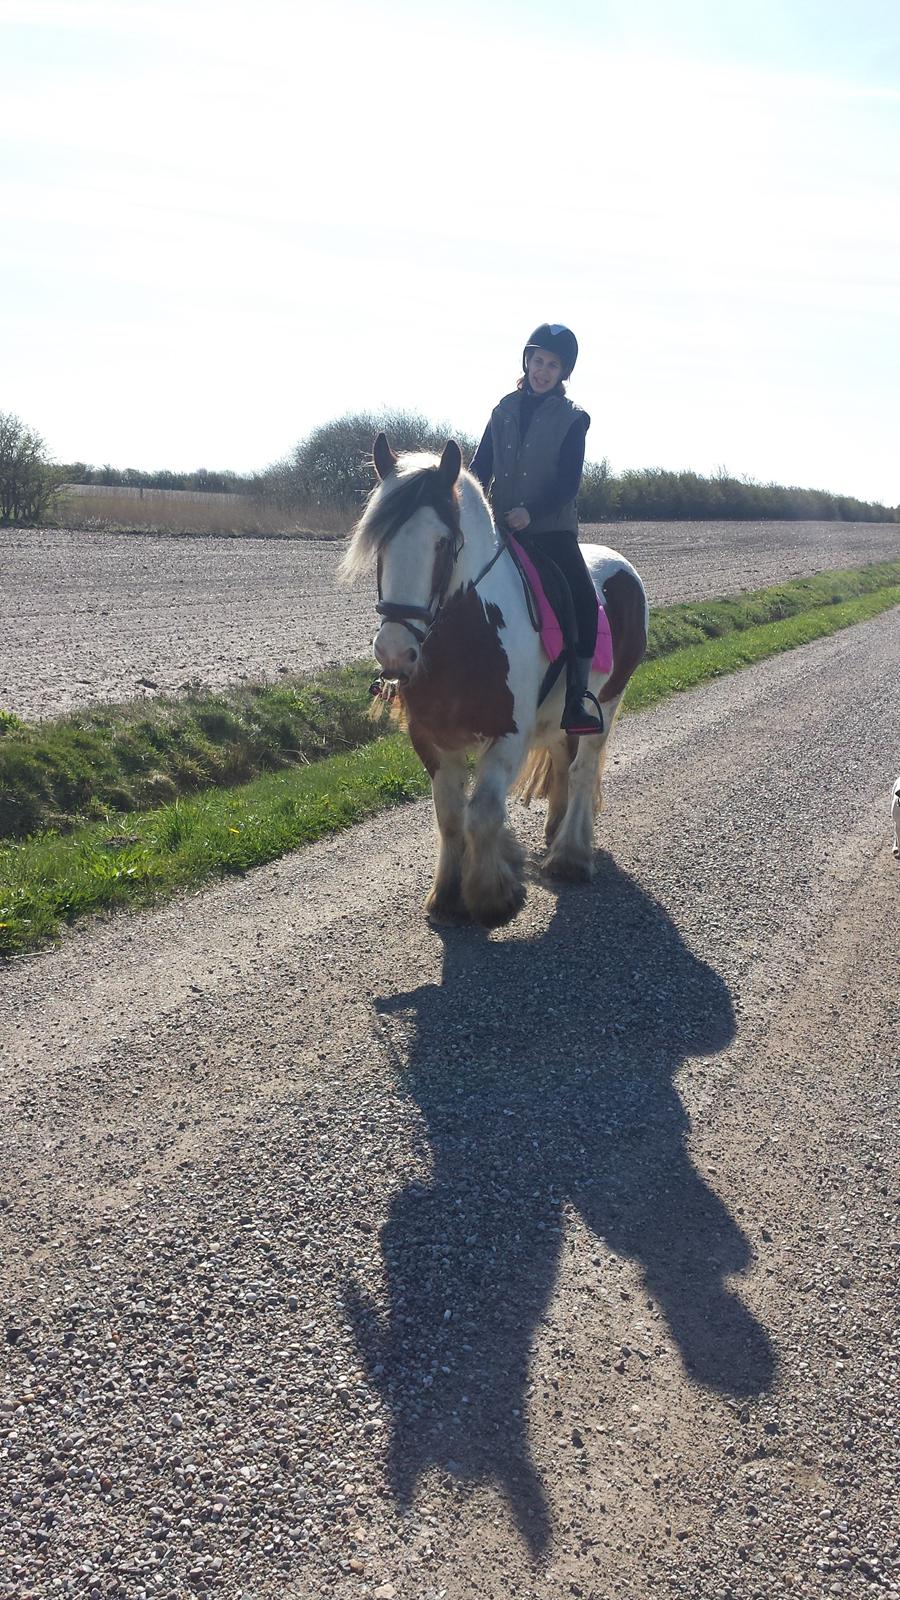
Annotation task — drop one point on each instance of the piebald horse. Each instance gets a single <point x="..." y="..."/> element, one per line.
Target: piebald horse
<point x="457" y="639"/>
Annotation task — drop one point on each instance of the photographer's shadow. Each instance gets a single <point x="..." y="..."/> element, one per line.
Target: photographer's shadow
<point x="544" y="1070"/>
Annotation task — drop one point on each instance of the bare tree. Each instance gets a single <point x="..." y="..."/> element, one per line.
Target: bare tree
<point x="27" y="478"/>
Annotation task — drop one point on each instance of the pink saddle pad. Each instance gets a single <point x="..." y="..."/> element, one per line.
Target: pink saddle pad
<point x="551" y="632"/>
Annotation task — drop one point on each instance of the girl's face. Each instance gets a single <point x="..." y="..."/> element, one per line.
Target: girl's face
<point x="544" y="371"/>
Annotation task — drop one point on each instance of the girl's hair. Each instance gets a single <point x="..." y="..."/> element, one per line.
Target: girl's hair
<point x="559" y="388"/>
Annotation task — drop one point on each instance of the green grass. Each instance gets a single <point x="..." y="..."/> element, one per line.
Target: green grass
<point x="113" y="759"/>
<point x="143" y="857"/>
<point x="54" y="878"/>
<point x="682" y="669"/>
<point x="676" y="627"/>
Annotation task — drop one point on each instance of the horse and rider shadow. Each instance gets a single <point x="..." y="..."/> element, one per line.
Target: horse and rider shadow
<point x="544" y="1071"/>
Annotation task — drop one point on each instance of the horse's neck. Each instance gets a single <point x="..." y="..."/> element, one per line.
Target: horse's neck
<point x="479" y="541"/>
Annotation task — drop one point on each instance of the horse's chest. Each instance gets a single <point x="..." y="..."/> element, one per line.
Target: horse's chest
<point x="461" y="693"/>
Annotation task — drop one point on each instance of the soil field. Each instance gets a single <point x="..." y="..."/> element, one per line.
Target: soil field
<point x="90" y="616"/>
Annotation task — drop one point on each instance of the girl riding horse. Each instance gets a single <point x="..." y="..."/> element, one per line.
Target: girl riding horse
<point x="529" y="463"/>
<point x="457" y="642"/>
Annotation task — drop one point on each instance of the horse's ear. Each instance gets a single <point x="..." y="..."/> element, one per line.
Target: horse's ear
<point x="451" y="462"/>
<point x="383" y="456"/>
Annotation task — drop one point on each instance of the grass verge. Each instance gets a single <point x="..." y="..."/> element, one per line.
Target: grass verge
<point x="53" y="878"/>
<point x="693" y="622"/>
<point x="682" y="669"/>
<point x="112" y="759"/>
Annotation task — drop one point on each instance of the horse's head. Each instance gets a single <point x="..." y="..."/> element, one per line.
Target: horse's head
<point x="411" y="527"/>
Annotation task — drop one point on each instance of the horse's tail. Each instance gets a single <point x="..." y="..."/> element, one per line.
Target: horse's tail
<point x="533" y="782"/>
<point x="536" y="776"/>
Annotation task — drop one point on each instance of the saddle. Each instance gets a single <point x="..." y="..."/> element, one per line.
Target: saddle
<point x="553" y="614"/>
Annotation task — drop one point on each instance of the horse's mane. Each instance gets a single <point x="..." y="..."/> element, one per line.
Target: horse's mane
<point x="414" y="484"/>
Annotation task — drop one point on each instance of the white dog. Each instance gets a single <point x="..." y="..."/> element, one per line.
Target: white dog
<point x="895" y="815"/>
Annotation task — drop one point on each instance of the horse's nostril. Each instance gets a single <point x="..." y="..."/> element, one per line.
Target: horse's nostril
<point x="411" y="655"/>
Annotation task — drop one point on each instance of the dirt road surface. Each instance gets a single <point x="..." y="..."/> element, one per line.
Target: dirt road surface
<point x="87" y="617"/>
<point x="348" y="1256"/>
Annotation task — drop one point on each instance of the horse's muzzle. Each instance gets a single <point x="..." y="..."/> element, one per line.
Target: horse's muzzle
<point x="395" y="651"/>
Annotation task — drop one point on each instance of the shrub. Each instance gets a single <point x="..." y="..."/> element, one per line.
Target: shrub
<point x="28" y="480"/>
<point x="333" y="465"/>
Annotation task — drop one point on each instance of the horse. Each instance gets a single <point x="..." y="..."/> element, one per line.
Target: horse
<point x="458" y="644"/>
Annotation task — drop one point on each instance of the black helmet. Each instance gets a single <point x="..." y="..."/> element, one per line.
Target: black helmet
<point x="557" y="338"/>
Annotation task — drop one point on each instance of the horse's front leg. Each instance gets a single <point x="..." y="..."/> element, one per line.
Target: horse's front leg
<point x="492" y="878"/>
<point x="448" y="791"/>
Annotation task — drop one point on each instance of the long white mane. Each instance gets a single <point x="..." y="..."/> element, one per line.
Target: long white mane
<point x="413" y="484"/>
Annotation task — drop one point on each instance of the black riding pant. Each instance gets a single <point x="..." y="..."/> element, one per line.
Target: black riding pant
<point x="564" y="549"/>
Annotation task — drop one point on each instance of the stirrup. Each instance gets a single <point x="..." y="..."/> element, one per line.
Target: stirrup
<point x="577" y="720"/>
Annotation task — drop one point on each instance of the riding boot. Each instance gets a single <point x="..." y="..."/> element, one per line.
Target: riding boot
<point x="577" y="719"/>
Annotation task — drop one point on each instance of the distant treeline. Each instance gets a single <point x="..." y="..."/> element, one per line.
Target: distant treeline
<point x="202" y="481"/>
<point x="333" y="465"/>
<point x="651" y="494"/>
<point x="328" y="475"/>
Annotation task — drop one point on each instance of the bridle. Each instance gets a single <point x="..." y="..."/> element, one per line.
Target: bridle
<point x="403" y="611"/>
<point x="420" y="620"/>
<point x="409" y="615"/>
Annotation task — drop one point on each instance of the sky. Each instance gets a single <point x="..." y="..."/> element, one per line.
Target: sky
<point x="224" y="224"/>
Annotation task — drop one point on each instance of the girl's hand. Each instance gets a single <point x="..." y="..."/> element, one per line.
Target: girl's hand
<point x="518" y="519"/>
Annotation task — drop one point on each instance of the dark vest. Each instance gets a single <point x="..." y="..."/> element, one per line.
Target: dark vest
<point x="525" y="469"/>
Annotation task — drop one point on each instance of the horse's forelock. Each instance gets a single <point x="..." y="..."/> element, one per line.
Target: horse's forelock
<point x="414" y="484"/>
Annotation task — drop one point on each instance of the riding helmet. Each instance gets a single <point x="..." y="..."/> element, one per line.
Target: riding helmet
<point x="558" y="339"/>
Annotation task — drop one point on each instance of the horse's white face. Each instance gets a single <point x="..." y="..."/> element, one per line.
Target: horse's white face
<point x="410" y="575"/>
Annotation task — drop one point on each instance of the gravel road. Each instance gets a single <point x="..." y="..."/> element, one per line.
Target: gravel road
<point x="348" y="1256"/>
<point x="86" y="617"/>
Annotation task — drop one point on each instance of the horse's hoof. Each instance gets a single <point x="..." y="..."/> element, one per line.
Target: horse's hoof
<point x="569" y="869"/>
<point x="446" y="905"/>
<point x="494" y="913"/>
<point x="498" y="915"/>
<point x="447" y="911"/>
